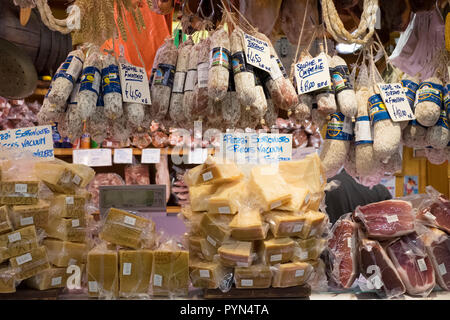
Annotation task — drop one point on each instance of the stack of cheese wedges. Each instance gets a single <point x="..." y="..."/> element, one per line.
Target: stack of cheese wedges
<point x="259" y="224"/>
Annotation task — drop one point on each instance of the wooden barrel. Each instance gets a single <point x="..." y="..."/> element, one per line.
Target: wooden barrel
<point x="47" y="49"/>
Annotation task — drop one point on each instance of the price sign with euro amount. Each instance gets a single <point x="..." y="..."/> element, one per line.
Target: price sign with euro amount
<point x="394" y="97"/>
<point x="312" y="74"/>
<point x="257" y="53"/>
<point x="134" y="82"/>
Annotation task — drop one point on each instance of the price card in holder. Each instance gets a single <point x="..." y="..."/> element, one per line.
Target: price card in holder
<point x="151" y="155"/>
<point x="93" y="157"/>
<point x="396" y="102"/>
<point x="312" y="74"/>
<point x="134" y="82"/>
<point x="257" y="53"/>
<point x="123" y="155"/>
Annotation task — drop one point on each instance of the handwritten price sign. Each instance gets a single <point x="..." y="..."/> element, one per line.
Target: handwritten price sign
<point x="257" y="53"/>
<point x="312" y="74"/>
<point x="396" y="102"/>
<point x="135" y="88"/>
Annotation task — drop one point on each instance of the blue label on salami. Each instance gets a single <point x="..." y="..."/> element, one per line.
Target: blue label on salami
<point x="164" y="75"/>
<point x="111" y="80"/>
<point x="432" y="92"/>
<point x="447" y="99"/>
<point x="411" y="89"/>
<point x="377" y="109"/>
<point x="443" y="120"/>
<point x="90" y="80"/>
<point x="63" y="71"/>
<point x="341" y="78"/>
<point x="220" y="57"/>
<point x="239" y="63"/>
<point x="415" y="123"/>
<point x="336" y="128"/>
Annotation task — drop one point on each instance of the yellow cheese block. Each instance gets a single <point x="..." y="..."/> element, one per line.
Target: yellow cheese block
<point x="5" y="222"/>
<point x="64" y="253"/>
<point x="276" y="250"/>
<point x="192" y="220"/>
<point x="35" y="214"/>
<point x="315" y="201"/>
<point x="170" y="273"/>
<point x="254" y="277"/>
<point x="18" y="242"/>
<point x="73" y="230"/>
<point x="216" y="228"/>
<point x="201" y="248"/>
<point x="217" y="172"/>
<point x="207" y="274"/>
<point x="68" y="206"/>
<point x="128" y="230"/>
<point x="236" y="254"/>
<point x="315" y="222"/>
<point x="30" y="263"/>
<point x="199" y="195"/>
<point x="49" y="279"/>
<point x="248" y="225"/>
<point x="268" y="188"/>
<point x="7" y="283"/>
<point x="103" y="272"/>
<point x="285" y="224"/>
<point x="309" y="249"/>
<point x="135" y="272"/>
<point x="18" y="192"/>
<point x="300" y="199"/>
<point x="291" y="274"/>
<point x="192" y="175"/>
<point x="228" y="198"/>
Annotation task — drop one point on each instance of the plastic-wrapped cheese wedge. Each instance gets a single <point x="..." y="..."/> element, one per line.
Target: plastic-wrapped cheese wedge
<point x="315" y="222"/>
<point x="268" y="188"/>
<point x="7" y="283"/>
<point x="192" y="220"/>
<point x="236" y="254"/>
<point x="73" y="230"/>
<point x="248" y="225"/>
<point x="135" y="272"/>
<point x="128" y="230"/>
<point x="15" y="192"/>
<point x="254" y="277"/>
<point x="309" y="249"/>
<point x="214" y="173"/>
<point x="68" y="206"/>
<point x="18" y="242"/>
<point x="64" y="253"/>
<point x="103" y="272"/>
<point x="291" y="274"/>
<point x="276" y="250"/>
<point x="285" y="224"/>
<point x="198" y="196"/>
<point x="201" y="248"/>
<point x="216" y="228"/>
<point x="193" y="175"/>
<point x="5" y="222"/>
<point x="207" y="274"/>
<point x="227" y="198"/>
<point x="34" y="214"/>
<point x="30" y="263"/>
<point x="50" y="279"/>
<point x="170" y="276"/>
<point x="300" y="198"/>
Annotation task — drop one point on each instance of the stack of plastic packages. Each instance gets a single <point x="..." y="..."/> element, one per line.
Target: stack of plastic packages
<point x="257" y="226"/>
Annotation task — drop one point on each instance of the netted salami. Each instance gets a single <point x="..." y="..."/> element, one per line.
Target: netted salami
<point x="326" y="100"/>
<point x="429" y="102"/>
<point x="202" y="108"/>
<point x="90" y="85"/>
<point x="231" y="108"/>
<point x="112" y="92"/>
<point x="345" y="95"/>
<point x="219" y="64"/>
<point x="189" y="99"/>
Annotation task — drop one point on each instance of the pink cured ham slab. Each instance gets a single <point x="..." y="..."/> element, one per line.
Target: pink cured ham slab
<point x="437" y="214"/>
<point x="413" y="264"/>
<point x="386" y="219"/>
<point x="437" y="243"/>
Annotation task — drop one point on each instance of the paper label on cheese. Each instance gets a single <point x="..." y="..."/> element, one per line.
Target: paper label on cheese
<point x="126" y="268"/>
<point x="422" y="265"/>
<point x="26" y="221"/>
<point x="224" y="210"/>
<point x="204" y="274"/>
<point x="442" y="269"/>
<point x="211" y="240"/>
<point x="76" y="180"/>
<point x="24" y="259"/>
<point x="429" y="215"/>
<point x="242" y="264"/>
<point x="14" y="237"/>
<point x="392" y="218"/>
<point x="275" y="257"/>
<point x="75" y="223"/>
<point x="72" y="261"/>
<point x="129" y="220"/>
<point x="349" y="242"/>
<point x="299" y="273"/>
<point x="302" y="255"/>
<point x="313" y="232"/>
<point x="246" y="283"/>
<point x="93" y="287"/>
<point x="69" y="200"/>
<point x="157" y="280"/>
<point x="207" y="176"/>
<point x="297" y="227"/>
<point x="275" y="204"/>
<point x="56" y="281"/>
<point x="21" y="188"/>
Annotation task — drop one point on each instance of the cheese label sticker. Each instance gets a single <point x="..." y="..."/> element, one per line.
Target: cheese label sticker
<point x="204" y="274"/>
<point x="126" y="269"/>
<point x="242" y="264"/>
<point x="75" y="223"/>
<point x="69" y="200"/>
<point x="429" y="215"/>
<point x="302" y="255"/>
<point x="297" y="227"/>
<point x="157" y="280"/>
<point x="422" y="265"/>
<point x="224" y="210"/>
<point x="56" y="281"/>
<point x="313" y="232"/>
<point x="299" y="273"/>
<point x="211" y="240"/>
<point x="20" y="187"/>
<point x="392" y="218"/>
<point x="93" y="286"/>
<point x="72" y="261"/>
<point x="26" y="221"/>
<point x="275" y="204"/>
<point x="275" y="257"/>
<point x="129" y="220"/>
<point x="24" y="259"/>
<point x="14" y="237"/>
<point x="76" y="180"/>
<point x="247" y="283"/>
<point x="442" y="269"/>
<point x="207" y="176"/>
<point x="349" y="242"/>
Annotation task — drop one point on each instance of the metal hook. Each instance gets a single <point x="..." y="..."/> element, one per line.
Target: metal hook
<point x="200" y="9"/>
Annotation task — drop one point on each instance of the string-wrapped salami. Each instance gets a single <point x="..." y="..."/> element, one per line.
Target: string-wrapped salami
<point x="326" y="100"/>
<point x="345" y="95"/>
<point x="202" y="107"/>
<point x="96" y="123"/>
<point x="90" y="85"/>
<point x="135" y="113"/>
<point x="429" y="102"/>
<point x="112" y="92"/>
<point x="259" y="107"/>
<point x="231" y="108"/>
<point x="219" y="65"/>
<point x="189" y="98"/>
<point x="303" y="108"/>
<point x="414" y="133"/>
<point x="438" y="135"/>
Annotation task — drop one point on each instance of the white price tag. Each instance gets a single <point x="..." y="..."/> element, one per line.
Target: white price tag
<point x="76" y="179"/>
<point x="129" y="220"/>
<point x="92" y="157"/>
<point x="348" y="125"/>
<point x="224" y="210"/>
<point x="56" y="281"/>
<point x="429" y="215"/>
<point x="422" y="265"/>
<point x="26" y="221"/>
<point x="396" y="102"/>
<point x="246" y="283"/>
<point x="93" y="287"/>
<point x="69" y="200"/>
<point x="297" y="227"/>
<point x="242" y="264"/>
<point x="123" y="155"/>
<point x="302" y="255"/>
<point x="299" y="273"/>
<point x="157" y="280"/>
<point x="211" y="240"/>
<point x="349" y="242"/>
<point x="14" y="237"/>
<point x="257" y="53"/>
<point x="207" y="176"/>
<point x="126" y="269"/>
<point x="275" y="257"/>
<point x="204" y="274"/>
<point x="198" y="156"/>
<point x="151" y="155"/>
<point x="312" y="74"/>
<point x="75" y="223"/>
<point x="392" y="218"/>
<point x="442" y="269"/>
<point x="134" y="83"/>
<point x="20" y="188"/>
<point x="24" y="259"/>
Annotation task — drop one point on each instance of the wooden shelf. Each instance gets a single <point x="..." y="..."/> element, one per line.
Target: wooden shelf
<point x="68" y="152"/>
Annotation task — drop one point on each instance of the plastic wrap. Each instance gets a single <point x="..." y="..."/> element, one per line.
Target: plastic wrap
<point x="69" y="206"/>
<point x="237" y="254"/>
<point x="103" y="179"/>
<point x="216" y="228"/>
<point x="435" y="210"/>
<point x="309" y="249"/>
<point x="213" y="173"/>
<point x="64" y="253"/>
<point x="247" y="225"/>
<point x="199" y="247"/>
<point x="7" y="280"/>
<point x="437" y="244"/>
<point x="49" y="279"/>
<point x="254" y="277"/>
<point x="135" y="273"/>
<point x="30" y="263"/>
<point x="18" y="242"/>
<point x="35" y="214"/>
<point x="291" y="274"/>
<point x="19" y="185"/>
<point x="73" y="230"/>
<point x="137" y="174"/>
<point x="199" y="196"/>
<point x="276" y="250"/>
<point x="5" y="222"/>
<point x="103" y="272"/>
<point x="207" y="274"/>
<point x="227" y="198"/>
